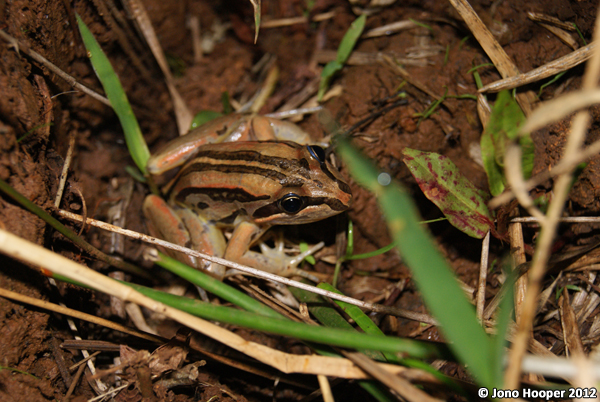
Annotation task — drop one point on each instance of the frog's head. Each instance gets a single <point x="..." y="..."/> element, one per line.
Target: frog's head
<point x="269" y="182"/>
<point x="310" y="188"/>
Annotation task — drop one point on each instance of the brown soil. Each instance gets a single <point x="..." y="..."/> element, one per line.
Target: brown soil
<point x="36" y="102"/>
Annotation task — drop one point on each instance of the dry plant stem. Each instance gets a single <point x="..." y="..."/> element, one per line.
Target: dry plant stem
<point x="538" y="17"/>
<point x="77" y="314"/>
<point x="561" y="188"/>
<point x="364" y="58"/>
<point x="559" y="108"/>
<point x="568" y="219"/>
<point x="565" y="37"/>
<point x="112" y="393"/>
<point x="41" y="59"/>
<point x="484" y="110"/>
<point x="68" y="233"/>
<point x="540" y="259"/>
<point x="65" y="170"/>
<point x="124" y="39"/>
<point x="74" y="382"/>
<point x="398" y="384"/>
<point x="26" y="251"/>
<point x="405" y="74"/>
<point x="84" y="361"/>
<point x="514" y="177"/>
<point x="566" y="164"/>
<point x="541" y="256"/>
<point x="389" y="29"/>
<point x="255" y="272"/>
<point x="325" y="388"/>
<point x="483" y="267"/>
<point x="193" y="24"/>
<point x="182" y="113"/>
<point x="547" y="70"/>
<point x="266" y="89"/>
<point x="570" y="328"/>
<point x="283" y="22"/>
<point x="517" y="249"/>
<point x="492" y="48"/>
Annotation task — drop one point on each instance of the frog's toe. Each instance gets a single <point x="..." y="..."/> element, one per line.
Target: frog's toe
<point x="285" y="265"/>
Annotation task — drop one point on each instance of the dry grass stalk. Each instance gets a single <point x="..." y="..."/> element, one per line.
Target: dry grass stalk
<point x="547" y="19"/>
<point x="570" y="328"/>
<point x="23" y="250"/>
<point x="411" y="315"/>
<point x="502" y="62"/>
<point x="284" y="22"/>
<point x="390" y="29"/>
<point x="540" y="259"/>
<point x="77" y="314"/>
<point x="483" y="268"/>
<point x="547" y="70"/>
<point x="566" y="164"/>
<point x="402" y="386"/>
<point x="182" y="113"/>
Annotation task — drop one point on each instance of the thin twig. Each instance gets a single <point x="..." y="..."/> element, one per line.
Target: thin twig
<point x="65" y="170"/>
<point x="24" y="250"/>
<point x="77" y="314"/>
<point x="492" y="48"/>
<point x="483" y="267"/>
<point x="547" y="70"/>
<point x="514" y="177"/>
<point x="566" y="219"/>
<point x="561" y="190"/>
<point x="75" y="381"/>
<point x="389" y="29"/>
<point x="411" y="315"/>
<point x="567" y="163"/>
<point x="182" y="112"/>
<point x="283" y="22"/>
<point x="41" y="59"/>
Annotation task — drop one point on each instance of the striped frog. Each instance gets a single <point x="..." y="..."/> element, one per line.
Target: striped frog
<point x="247" y="173"/>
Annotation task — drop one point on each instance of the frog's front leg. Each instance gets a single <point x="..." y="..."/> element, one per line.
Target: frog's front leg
<point x="182" y="226"/>
<point x="270" y="260"/>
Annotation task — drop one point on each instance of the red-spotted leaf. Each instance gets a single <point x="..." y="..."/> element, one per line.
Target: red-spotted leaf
<point x="461" y="202"/>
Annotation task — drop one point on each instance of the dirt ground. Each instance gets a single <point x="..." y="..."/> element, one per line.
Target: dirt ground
<point x="41" y="107"/>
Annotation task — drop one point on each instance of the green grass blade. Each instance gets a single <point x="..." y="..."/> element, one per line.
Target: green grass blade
<point x="350" y="38"/>
<point x="344" y="50"/>
<point x="435" y="279"/>
<point x="203" y="117"/>
<point x="281" y="326"/>
<point x="329" y="317"/>
<point x="114" y="91"/>
<point x="68" y="233"/>
<point x="215" y="286"/>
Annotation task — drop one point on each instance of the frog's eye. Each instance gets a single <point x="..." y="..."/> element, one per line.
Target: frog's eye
<point x="317" y="152"/>
<point x="291" y="203"/>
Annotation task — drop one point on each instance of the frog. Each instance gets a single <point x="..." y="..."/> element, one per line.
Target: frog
<point x="245" y="173"/>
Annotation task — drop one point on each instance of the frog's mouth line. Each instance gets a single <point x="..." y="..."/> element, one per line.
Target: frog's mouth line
<point x="273" y="208"/>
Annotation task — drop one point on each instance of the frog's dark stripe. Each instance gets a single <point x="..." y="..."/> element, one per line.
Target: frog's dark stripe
<point x="273" y="208"/>
<point x="341" y="185"/>
<point x="220" y="194"/>
<point x="232" y="168"/>
<point x="298" y="167"/>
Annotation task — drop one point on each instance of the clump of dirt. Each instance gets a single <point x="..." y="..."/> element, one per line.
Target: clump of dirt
<point x="39" y="112"/>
